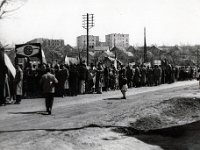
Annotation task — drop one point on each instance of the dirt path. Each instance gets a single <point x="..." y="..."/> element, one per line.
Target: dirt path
<point x="90" y="121"/>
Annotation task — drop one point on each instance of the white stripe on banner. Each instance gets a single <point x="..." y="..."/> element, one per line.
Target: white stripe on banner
<point x="9" y="65"/>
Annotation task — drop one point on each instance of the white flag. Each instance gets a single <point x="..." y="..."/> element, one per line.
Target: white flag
<point x="67" y="60"/>
<point x="9" y="65"/>
<point x="115" y="63"/>
<point x="43" y="57"/>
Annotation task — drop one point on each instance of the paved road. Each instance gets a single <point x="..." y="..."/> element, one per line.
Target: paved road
<point x="27" y="122"/>
<point x="30" y="112"/>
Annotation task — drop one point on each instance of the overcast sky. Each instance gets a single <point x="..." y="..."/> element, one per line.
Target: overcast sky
<point x="167" y="22"/>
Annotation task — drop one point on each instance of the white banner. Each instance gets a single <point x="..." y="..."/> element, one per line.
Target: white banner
<point x="157" y="62"/>
<point x="71" y="60"/>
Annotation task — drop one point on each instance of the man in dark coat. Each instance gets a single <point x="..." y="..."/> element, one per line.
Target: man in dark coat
<point x="137" y="77"/>
<point x="62" y="74"/>
<point x="129" y="75"/>
<point x="106" y="78"/>
<point x="48" y="82"/>
<point x="73" y="80"/>
<point x="143" y="75"/>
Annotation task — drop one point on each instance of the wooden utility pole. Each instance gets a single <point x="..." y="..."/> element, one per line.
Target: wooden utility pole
<point x="88" y="23"/>
<point x="145" y="46"/>
<point x="197" y="57"/>
<point x="115" y="48"/>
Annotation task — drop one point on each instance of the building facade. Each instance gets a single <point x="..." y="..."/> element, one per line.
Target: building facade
<point x="82" y="41"/>
<point x="48" y="42"/>
<point x="118" y="40"/>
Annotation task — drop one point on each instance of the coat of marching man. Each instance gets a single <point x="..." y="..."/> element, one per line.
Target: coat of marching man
<point x="48" y="82"/>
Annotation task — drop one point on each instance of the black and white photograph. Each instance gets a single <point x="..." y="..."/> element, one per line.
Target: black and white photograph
<point x="99" y="75"/>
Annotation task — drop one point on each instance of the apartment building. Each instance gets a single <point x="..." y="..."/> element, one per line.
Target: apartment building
<point x="82" y="41"/>
<point x="118" y="40"/>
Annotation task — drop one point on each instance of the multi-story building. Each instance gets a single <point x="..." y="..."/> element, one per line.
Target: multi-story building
<point x="118" y="40"/>
<point x="82" y="41"/>
<point x="48" y="42"/>
<point x="103" y="44"/>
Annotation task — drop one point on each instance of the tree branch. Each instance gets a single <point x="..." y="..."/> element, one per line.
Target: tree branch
<point x="1" y="15"/>
<point x="3" y="12"/>
<point x="2" y="4"/>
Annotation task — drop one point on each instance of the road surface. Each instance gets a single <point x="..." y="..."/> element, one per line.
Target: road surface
<point x="93" y="121"/>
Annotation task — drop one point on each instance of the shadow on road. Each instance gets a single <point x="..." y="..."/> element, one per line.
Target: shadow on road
<point x="113" y="98"/>
<point x="184" y="137"/>
<point x="30" y="112"/>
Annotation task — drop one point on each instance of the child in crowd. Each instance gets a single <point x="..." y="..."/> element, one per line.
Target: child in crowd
<point x="124" y="86"/>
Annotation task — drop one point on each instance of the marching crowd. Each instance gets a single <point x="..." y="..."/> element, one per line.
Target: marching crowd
<point x="80" y="79"/>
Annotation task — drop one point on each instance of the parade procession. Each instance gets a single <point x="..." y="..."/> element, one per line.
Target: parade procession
<point x="99" y="75"/>
<point x="75" y="77"/>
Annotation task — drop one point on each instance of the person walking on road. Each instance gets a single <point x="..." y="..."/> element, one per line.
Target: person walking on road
<point x="48" y="82"/>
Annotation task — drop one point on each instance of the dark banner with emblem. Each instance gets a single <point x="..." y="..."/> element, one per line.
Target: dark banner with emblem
<point x="28" y="50"/>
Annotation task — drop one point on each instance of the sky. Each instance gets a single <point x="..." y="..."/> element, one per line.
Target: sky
<point x="167" y="22"/>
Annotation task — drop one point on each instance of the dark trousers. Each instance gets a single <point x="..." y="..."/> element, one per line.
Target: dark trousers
<point x="49" y="98"/>
<point x="18" y="98"/>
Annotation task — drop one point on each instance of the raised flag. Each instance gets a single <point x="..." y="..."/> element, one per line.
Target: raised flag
<point x="67" y="60"/>
<point x="115" y="63"/>
<point x="43" y="57"/>
<point x="9" y="65"/>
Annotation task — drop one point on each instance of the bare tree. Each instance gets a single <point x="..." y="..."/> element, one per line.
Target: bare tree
<point x="9" y="6"/>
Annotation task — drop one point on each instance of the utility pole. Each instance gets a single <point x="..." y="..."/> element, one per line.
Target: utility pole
<point x="115" y="48"/>
<point x="88" y="23"/>
<point x="145" y="46"/>
<point x="197" y="57"/>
